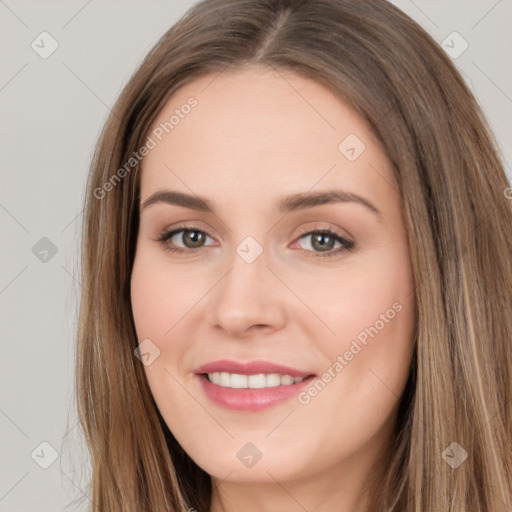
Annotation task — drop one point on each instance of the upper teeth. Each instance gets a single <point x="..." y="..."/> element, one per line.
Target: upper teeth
<point x="261" y="380"/>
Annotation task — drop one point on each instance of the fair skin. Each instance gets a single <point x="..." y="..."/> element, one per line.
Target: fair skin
<point x="255" y="136"/>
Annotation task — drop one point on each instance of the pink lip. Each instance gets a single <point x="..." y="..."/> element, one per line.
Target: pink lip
<point x="250" y="368"/>
<point x="247" y="399"/>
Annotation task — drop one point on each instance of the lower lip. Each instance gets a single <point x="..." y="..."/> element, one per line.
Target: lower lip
<point x="248" y="399"/>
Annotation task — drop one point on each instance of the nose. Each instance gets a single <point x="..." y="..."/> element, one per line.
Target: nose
<point x="247" y="299"/>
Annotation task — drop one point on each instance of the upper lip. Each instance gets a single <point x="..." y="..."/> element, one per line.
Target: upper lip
<point x="249" y="368"/>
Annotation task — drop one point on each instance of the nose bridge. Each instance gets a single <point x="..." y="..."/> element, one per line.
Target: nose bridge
<point x="246" y="295"/>
<point x="249" y="265"/>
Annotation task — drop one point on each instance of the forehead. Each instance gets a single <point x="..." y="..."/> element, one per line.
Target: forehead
<point x="255" y="129"/>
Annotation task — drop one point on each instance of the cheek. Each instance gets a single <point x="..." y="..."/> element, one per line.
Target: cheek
<point x="369" y="298"/>
<point x="367" y="344"/>
<point x="371" y="354"/>
<point x="160" y="296"/>
<point x="160" y="303"/>
<point x="166" y="305"/>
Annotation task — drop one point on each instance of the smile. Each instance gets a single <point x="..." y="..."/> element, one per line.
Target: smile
<point x="250" y="386"/>
<point x="256" y="381"/>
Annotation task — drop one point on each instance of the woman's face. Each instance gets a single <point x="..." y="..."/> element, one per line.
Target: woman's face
<point x="293" y="263"/>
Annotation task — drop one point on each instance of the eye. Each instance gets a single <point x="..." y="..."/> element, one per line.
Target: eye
<point x="322" y="241"/>
<point x="191" y="237"/>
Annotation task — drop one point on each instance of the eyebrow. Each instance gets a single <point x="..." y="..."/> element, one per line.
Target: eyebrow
<point x="286" y="204"/>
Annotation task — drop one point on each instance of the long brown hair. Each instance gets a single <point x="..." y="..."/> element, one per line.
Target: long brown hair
<point x="459" y="222"/>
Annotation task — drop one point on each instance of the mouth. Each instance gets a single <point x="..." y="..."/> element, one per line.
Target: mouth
<point x="252" y="386"/>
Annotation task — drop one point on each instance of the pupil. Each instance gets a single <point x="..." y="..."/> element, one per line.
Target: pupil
<point x="321" y="239"/>
<point x="195" y="237"/>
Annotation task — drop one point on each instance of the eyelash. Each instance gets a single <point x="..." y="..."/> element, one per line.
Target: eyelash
<point x="348" y="245"/>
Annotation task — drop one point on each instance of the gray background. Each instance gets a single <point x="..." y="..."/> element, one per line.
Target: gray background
<point x="51" y="112"/>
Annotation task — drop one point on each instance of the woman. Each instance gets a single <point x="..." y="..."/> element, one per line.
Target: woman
<point x="257" y="365"/>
